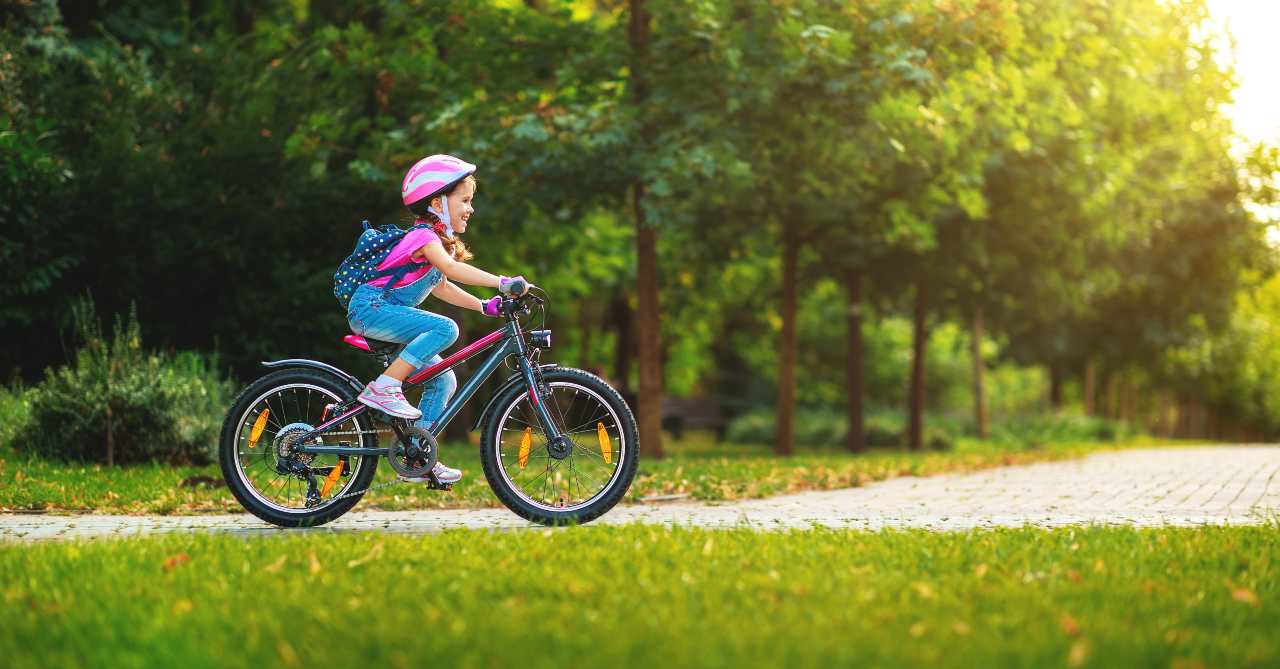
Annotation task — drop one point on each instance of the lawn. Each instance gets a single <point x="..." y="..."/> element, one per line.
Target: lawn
<point x="698" y="467"/>
<point x="650" y="596"/>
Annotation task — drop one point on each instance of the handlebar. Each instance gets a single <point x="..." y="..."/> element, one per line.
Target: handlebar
<point x="513" y="306"/>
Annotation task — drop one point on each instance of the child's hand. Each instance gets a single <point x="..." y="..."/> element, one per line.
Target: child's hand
<point x="491" y="307"/>
<point x="512" y="285"/>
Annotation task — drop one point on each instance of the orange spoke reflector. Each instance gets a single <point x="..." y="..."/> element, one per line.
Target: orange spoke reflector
<point x="258" y="426"/>
<point x="606" y="446"/>
<point x="331" y="479"/>
<point x="525" y="441"/>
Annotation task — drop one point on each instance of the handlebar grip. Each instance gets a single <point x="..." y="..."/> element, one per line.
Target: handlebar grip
<point x="517" y="287"/>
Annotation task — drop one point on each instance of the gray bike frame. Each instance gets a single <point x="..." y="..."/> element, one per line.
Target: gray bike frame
<point x="512" y="343"/>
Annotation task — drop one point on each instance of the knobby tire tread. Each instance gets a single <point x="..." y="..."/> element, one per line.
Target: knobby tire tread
<point x="492" y="462"/>
<point x="227" y="449"/>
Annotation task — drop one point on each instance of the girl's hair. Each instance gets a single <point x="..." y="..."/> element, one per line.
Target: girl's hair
<point x="452" y="245"/>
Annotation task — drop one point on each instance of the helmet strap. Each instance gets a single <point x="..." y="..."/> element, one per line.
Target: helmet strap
<point x="443" y="215"/>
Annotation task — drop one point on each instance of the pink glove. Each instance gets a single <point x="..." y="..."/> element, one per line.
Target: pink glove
<point x="491" y="307"/>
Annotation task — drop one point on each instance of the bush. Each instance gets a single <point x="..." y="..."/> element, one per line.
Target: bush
<point x="117" y="403"/>
<point x="15" y="413"/>
<point x="1059" y="427"/>
<point x="814" y="427"/>
<point x="883" y="430"/>
<point x="829" y="428"/>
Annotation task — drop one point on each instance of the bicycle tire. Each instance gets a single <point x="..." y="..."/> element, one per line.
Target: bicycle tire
<point x="228" y="449"/>
<point x="490" y="456"/>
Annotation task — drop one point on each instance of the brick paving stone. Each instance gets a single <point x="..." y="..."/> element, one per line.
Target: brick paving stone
<point x="1148" y="487"/>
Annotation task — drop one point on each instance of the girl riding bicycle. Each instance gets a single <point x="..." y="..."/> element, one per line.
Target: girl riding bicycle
<point x="438" y="190"/>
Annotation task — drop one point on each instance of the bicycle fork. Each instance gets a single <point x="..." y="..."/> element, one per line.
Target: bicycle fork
<point x="558" y="446"/>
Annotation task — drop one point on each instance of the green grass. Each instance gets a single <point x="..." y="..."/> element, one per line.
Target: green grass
<point x="650" y="596"/>
<point x="697" y="467"/>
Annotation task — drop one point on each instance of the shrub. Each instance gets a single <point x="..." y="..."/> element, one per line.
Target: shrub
<point x="15" y="413"/>
<point x="814" y="427"/>
<point x="883" y="430"/>
<point x="830" y="428"/>
<point x="117" y="403"/>
<point x="1058" y="427"/>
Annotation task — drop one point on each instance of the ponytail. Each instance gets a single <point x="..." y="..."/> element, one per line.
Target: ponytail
<point x="452" y="245"/>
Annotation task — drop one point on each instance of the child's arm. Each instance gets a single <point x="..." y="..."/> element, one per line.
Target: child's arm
<point x="458" y="271"/>
<point x="457" y="296"/>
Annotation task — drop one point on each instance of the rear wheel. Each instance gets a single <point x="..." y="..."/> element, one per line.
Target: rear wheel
<point x="260" y="463"/>
<point x="591" y="475"/>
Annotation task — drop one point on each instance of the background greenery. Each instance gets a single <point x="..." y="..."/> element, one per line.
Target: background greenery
<point x="1053" y="181"/>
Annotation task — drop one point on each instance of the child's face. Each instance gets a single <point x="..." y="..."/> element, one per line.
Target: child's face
<point x="460" y="208"/>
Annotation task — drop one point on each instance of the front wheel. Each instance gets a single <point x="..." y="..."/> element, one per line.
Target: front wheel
<point x="580" y="483"/>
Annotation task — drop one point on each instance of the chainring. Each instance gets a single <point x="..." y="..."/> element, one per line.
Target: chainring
<point x="416" y="467"/>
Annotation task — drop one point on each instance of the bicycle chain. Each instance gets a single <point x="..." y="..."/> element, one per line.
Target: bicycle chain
<point x="361" y="492"/>
<point x="354" y="493"/>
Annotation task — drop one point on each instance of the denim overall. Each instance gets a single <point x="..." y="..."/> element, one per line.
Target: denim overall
<point x="391" y="315"/>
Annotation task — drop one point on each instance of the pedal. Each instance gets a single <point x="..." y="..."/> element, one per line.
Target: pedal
<point x="432" y="483"/>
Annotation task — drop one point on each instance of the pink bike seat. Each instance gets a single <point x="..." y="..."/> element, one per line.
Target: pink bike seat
<point x="357" y="341"/>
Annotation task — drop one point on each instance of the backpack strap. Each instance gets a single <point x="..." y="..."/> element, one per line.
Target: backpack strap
<point x="396" y="273"/>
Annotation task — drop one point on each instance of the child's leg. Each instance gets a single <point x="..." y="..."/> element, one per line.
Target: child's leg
<point x="425" y="334"/>
<point x="435" y="395"/>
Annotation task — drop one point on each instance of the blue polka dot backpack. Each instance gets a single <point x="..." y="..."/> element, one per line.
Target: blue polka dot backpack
<point x="361" y="266"/>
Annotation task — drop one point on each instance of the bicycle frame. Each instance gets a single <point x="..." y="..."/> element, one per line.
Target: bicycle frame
<point x="509" y="342"/>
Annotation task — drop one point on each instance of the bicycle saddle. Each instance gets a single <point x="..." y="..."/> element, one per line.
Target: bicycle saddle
<point x="371" y="345"/>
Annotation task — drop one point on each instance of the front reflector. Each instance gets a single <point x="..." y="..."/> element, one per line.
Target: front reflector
<point x="606" y="446"/>
<point x="525" y="441"/>
<point x="258" y="426"/>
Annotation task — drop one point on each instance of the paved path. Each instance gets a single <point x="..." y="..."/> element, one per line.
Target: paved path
<point x="1150" y="487"/>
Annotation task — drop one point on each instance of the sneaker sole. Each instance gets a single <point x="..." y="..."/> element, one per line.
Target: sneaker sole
<point x="413" y="416"/>
<point x="424" y="479"/>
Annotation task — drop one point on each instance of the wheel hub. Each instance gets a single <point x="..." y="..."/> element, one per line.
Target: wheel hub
<point x="560" y="447"/>
<point x="287" y="441"/>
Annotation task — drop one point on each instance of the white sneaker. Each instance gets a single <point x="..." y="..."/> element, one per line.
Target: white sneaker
<point x="444" y="474"/>
<point x="390" y="401"/>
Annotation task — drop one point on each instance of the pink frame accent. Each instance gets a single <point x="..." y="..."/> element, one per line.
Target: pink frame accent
<point x="457" y="358"/>
<point x="461" y="356"/>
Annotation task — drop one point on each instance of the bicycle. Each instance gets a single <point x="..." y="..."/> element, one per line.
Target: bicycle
<point x="558" y="445"/>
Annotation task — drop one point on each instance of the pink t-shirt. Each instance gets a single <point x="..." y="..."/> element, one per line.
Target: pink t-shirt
<point x="400" y="255"/>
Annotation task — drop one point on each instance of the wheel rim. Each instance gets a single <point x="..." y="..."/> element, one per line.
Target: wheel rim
<point x="289" y="405"/>
<point x="580" y="478"/>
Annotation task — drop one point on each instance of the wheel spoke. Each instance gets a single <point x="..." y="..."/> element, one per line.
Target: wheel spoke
<point x="257" y="466"/>
<point x="560" y="483"/>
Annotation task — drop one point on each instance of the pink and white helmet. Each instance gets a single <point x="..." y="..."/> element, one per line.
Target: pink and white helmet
<point x="431" y="176"/>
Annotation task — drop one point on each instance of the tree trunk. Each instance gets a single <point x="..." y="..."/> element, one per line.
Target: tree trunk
<point x="915" y="426"/>
<point x="623" y="344"/>
<point x="650" y="326"/>
<point x="979" y="391"/>
<point x="1055" y="386"/>
<point x="1113" y="395"/>
<point x="1090" y="389"/>
<point x="650" y="334"/>
<point x="785" y="439"/>
<point x="1129" y="400"/>
<point x="857" y="440"/>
